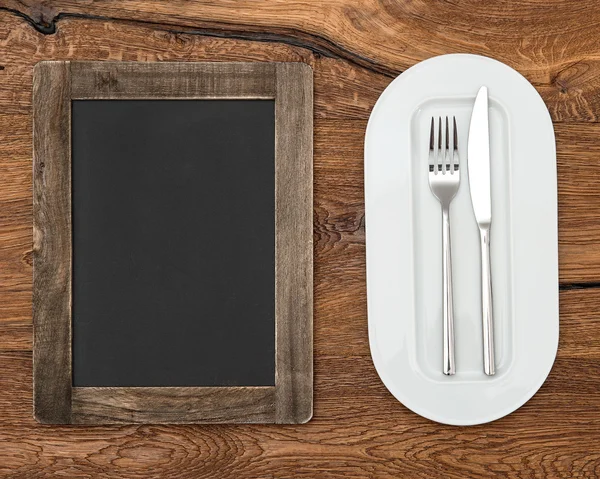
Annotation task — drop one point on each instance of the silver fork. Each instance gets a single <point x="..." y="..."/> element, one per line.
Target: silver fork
<point x="444" y="180"/>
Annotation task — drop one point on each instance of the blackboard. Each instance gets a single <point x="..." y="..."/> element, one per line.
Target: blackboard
<point x="172" y="242"/>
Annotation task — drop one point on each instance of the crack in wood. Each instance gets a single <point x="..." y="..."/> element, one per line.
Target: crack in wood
<point x="574" y="286"/>
<point x="316" y="44"/>
<point x="46" y="29"/>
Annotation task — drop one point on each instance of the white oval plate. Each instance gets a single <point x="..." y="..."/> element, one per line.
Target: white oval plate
<point x="403" y="234"/>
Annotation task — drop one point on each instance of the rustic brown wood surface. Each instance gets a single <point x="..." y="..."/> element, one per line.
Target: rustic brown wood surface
<point x="52" y="381"/>
<point x="173" y="405"/>
<point x="148" y="80"/>
<point x="293" y="243"/>
<point x="355" y="48"/>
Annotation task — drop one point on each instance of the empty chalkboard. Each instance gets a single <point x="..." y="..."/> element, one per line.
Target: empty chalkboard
<point x="173" y="242"/>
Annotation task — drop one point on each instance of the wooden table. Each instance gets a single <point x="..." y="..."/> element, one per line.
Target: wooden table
<point x="356" y="49"/>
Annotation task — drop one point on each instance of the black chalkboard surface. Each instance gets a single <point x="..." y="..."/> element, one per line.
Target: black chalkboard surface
<point x="173" y="242"/>
<point x="172" y="255"/>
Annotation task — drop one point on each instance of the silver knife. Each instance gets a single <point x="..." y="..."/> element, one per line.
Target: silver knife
<point x="478" y="157"/>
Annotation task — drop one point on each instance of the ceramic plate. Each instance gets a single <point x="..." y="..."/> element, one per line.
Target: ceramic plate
<point x="404" y="252"/>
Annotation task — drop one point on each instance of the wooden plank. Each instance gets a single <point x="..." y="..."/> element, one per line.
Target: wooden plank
<point x="293" y="243"/>
<point x="343" y="89"/>
<point x="52" y="242"/>
<point x="551" y="48"/>
<point x="165" y="80"/>
<point x="406" y="452"/>
<point x="173" y="405"/>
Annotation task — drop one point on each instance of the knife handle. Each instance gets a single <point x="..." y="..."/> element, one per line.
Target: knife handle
<point x="489" y="364"/>
<point x="448" y="307"/>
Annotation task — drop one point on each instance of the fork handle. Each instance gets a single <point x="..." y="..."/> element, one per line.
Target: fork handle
<point x="448" y="308"/>
<point x="489" y="366"/>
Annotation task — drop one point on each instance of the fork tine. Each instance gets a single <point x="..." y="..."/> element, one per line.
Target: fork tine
<point x="447" y="159"/>
<point x="455" y="146"/>
<point x="432" y="146"/>
<point x="431" y="136"/>
<point x="440" y="156"/>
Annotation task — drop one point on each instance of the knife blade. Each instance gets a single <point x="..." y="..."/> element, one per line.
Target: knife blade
<point x="478" y="158"/>
<point x="478" y="161"/>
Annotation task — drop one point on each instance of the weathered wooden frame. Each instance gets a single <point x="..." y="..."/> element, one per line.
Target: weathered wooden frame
<point x="55" y="85"/>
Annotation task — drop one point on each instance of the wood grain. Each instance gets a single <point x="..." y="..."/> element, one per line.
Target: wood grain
<point x="131" y="80"/>
<point x="293" y="243"/>
<point x="173" y="405"/>
<point x="52" y="242"/>
<point x="358" y="430"/>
